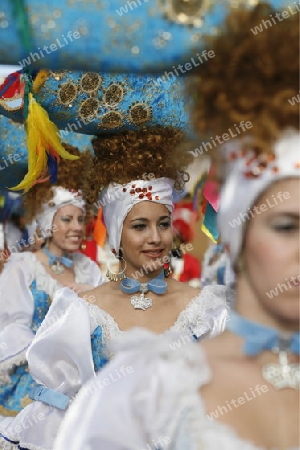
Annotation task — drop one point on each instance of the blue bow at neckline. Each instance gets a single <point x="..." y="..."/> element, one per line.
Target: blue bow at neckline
<point x="53" y="258"/>
<point x="157" y="285"/>
<point x="260" y="337"/>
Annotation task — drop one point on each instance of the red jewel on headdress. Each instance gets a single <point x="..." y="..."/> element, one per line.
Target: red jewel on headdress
<point x="141" y="196"/>
<point x="133" y="186"/>
<point x="132" y="192"/>
<point x="144" y="189"/>
<point x="114" y="251"/>
<point x="138" y="190"/>
<point x="156" y="197"/>
<point x="124" y="189"/>
<point x="150" y="188"/>
<point x="148" y="194"/>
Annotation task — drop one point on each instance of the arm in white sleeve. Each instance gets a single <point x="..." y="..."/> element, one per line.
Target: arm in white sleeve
<point x="138" y="398"/>
<point x="16" y="312"/>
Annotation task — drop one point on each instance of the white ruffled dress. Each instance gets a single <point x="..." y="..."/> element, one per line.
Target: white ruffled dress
<point x="68" y="350"/>
<point x="26" y="292"/>
<point x="154" y="406"/>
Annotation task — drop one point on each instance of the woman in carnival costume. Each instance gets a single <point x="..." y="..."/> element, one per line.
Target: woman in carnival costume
<point x="138" y="217"/>
<point x="237" y="391"/>
<point x="29" y="281"/>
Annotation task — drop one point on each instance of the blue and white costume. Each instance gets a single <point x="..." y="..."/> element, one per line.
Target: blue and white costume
<point x="26" y="293"/>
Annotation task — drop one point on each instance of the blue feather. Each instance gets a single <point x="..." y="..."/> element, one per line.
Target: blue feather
<point x="52" y="167"/>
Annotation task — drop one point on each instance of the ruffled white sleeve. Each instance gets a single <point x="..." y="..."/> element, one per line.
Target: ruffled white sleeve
<point x="16" y="311"/>
<point x="138" y="399"/>
<point x="86" y="270"/>
<point x="59" y="358"/>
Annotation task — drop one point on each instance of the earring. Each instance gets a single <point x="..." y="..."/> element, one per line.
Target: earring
<point x="113" y="276"/>
<point x="167" y="270"/>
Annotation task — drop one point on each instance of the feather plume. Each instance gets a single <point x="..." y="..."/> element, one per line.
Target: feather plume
<point x="44" y="147"/>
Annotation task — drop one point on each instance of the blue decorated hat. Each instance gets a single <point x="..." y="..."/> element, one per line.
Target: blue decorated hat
<point x="87" y="103"/>
<point x="97" y="103"/>
<point x="110" y="35"/>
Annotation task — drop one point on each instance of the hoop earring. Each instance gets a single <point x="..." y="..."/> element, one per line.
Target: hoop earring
<point x="116" y="276"/>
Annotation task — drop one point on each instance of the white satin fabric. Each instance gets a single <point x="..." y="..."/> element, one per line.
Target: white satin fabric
<point x="17" y="302"/>
<point x="158" y="401"/>
<point x="60" y="356"/>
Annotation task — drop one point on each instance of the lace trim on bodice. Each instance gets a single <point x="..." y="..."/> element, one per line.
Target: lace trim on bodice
<point x="193" y="320"/>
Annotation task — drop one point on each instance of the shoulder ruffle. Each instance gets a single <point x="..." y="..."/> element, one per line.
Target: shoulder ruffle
<point x="86" y="270"/>
<point x="206" y="315"/>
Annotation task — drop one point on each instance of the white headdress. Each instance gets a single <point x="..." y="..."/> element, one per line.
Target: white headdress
<point x="61" y="197"/>
<point x="248" y="177"/>
<point x="118" y="199"/>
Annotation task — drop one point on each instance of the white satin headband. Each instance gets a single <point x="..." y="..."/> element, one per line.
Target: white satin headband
<point x="61" y="197"/>
<point x="247" y="179"/>
<point x="118" y="199"/>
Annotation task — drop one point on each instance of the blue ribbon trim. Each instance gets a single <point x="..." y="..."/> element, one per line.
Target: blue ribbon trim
<point x="53" y="259"/>
<point x="158" y="285"/>
<point x="259" y="337"/>
<point x="49" y="396"/>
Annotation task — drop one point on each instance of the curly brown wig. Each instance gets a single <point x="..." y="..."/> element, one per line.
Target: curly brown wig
<point x="131" y="155"/>
<point x="71" y="175"/>
<point x="251" y="77"/>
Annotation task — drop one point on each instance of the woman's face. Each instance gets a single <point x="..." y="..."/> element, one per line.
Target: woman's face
<point x="146" y="237"/>
<point x="68" y="228"/>
<point x="271" y="250"/>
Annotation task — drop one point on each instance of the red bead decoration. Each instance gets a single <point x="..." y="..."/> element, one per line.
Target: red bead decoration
<point x="150" y="188"/>
<point x="156" y="197"/>
<point x="141" y="196"/>
<point x="124" y="189"/>
<point x="132" y="192"/>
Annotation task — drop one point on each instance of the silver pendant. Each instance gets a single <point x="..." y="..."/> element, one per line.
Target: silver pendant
<point x="141" y="302"/>
<point x="57" y="268"/>
<point x="282" y="375"/>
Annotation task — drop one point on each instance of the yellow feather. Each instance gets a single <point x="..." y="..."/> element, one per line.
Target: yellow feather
<point x="49" y="131"/>
<point x="42" y="136"/>
<point x="40" y="80"/>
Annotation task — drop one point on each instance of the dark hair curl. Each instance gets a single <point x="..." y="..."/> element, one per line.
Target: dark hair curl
<point x="251" y="78"/>
<point x="132" y="155"/>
